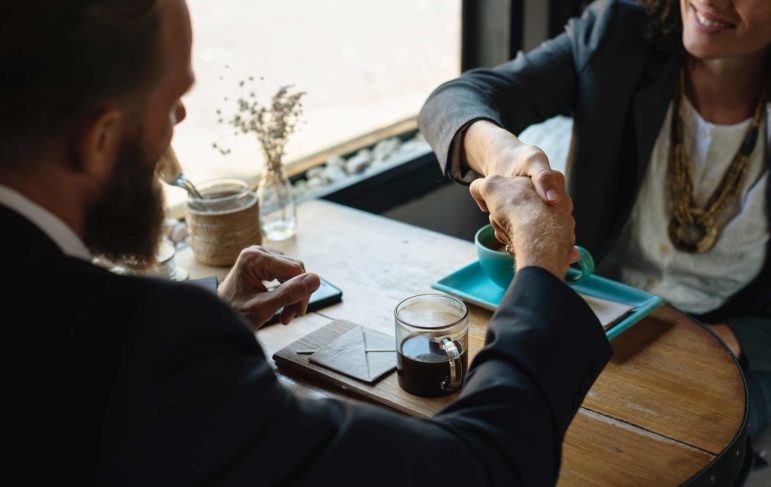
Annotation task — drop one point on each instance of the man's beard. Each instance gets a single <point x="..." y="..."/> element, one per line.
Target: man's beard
<point x="125" y="224"/>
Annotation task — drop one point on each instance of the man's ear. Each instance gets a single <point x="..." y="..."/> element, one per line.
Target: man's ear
<point x="99" y="141"/>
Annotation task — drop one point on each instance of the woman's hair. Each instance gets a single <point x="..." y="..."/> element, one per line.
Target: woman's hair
<point x="665" y="21"/>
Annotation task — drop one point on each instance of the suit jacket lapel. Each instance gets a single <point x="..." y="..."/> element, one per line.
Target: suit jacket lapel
<point x="650" y="105"/>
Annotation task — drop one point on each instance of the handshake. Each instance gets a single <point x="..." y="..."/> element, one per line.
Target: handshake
<point x="538" y="233"/>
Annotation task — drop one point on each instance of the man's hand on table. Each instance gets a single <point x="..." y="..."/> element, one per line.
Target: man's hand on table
<point x="535" y="233"/>
<point x="244" y="288"/>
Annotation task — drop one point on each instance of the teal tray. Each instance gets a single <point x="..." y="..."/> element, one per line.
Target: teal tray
<point x="471" y="285"/>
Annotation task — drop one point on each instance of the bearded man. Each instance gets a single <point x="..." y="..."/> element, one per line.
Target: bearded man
<point x="124" y="380"/>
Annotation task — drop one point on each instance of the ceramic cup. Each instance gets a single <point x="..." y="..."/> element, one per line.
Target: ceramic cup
<point x="223" y="222"/>
<point x="498" y="265"/>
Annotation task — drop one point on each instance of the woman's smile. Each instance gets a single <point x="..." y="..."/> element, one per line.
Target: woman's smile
<point x="709" y="22"/>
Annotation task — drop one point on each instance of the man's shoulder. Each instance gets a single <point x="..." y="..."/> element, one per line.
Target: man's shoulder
<point x="107" y="350"/>
<point x="91" y="304"/>
<point x="101" y="326"/>
<point x="147" y="301"/>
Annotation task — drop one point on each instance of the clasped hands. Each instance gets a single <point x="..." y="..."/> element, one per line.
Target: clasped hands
<point x="528" y="205"/>
<point x="539" y="234"/>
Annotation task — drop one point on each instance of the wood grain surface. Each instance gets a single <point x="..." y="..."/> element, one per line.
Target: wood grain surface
<point x="671" y="399"/>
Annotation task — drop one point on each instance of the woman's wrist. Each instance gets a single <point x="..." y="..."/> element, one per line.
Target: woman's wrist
<point x="486" y="146"/>
<point x="481" y="144"/>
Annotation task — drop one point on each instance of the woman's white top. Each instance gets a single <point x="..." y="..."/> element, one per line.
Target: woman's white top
<point x="645" y="257"/>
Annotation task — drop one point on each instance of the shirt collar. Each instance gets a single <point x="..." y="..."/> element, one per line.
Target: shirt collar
<point x="50" y="224"/>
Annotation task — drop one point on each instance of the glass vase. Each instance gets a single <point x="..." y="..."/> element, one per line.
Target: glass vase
<point x="278" y="216"/>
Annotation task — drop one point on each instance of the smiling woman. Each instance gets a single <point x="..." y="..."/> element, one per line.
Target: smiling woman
<point x="714" y="30"/>
<point x="669" y="164"/>
<point x="709" y="28"/>
<point x="364" y="66"/>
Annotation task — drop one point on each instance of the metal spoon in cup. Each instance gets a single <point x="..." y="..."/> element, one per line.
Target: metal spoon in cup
<point x="170" y="172"/>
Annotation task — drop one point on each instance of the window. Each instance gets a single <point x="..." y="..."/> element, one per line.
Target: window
<point x="363" y="64"/>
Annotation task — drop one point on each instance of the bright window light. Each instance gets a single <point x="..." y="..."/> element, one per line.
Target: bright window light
<point x="364" y="64"/>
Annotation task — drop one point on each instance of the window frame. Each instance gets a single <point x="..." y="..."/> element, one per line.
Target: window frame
<point x="487" y="39"/>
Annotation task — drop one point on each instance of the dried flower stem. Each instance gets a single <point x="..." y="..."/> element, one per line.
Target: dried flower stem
<point x="272" y="124"/>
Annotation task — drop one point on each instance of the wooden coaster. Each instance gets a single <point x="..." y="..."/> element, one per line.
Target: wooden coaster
<point x="294" y="359"/>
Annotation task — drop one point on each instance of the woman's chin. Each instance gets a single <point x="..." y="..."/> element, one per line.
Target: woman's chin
<point x="702" y="49"/>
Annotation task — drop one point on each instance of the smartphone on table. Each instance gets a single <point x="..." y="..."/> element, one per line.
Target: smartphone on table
<point x="324" y="296"/>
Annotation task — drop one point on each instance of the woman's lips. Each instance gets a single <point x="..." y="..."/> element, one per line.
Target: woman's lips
<point x="708" y="22"/>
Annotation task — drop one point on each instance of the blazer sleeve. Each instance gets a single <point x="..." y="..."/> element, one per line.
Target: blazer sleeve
<point x="204" y="406"/>
<point x="527" y="90"/>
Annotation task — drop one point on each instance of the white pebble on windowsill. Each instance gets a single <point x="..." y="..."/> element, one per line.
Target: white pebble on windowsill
<point x="336" y="161"/>
<point x="314" y="183"/>
<point x="315" y="173"/>
<point x="385" y="149"/>
<point x="334" y="174"/>
<point x="359" y="162"/>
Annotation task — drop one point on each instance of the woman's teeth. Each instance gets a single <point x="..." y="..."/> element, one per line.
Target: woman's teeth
<point x="711" y="23"/>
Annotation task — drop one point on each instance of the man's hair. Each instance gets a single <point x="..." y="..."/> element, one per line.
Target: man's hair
<point x="665" y="26"/>
<point x="62" y="62"/>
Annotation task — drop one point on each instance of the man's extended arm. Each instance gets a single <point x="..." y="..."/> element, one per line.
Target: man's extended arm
<point x="205" y="406"/>
<point x="213" y="411"/>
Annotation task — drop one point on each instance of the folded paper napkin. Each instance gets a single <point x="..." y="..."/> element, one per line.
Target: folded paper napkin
<point x="608" y="312"/>
<point x="361" y="353"/>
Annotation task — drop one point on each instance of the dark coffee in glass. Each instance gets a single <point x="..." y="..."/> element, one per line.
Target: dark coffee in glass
<point x="431" y="344"/>
<point x="423" y="368"/>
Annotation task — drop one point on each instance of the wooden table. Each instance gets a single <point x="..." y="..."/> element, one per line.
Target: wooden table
<point x="670" y="407"/>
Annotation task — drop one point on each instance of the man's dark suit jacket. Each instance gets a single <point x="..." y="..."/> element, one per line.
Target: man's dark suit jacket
<point x="121" y="380"/>
<point x="617" y="86"/>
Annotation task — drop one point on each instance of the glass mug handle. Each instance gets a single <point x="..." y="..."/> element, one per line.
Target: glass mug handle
<point x="456" y="367"/>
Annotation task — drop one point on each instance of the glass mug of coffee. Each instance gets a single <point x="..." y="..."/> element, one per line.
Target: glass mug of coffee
<point x="431" y="344"/>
